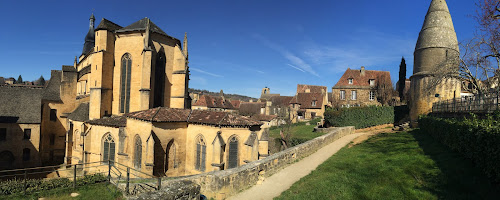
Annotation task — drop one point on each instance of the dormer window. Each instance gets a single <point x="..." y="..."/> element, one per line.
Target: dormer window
<point x="313" y="103"/>
<point x="350" y="81"/>
<point x="372" y="82"/>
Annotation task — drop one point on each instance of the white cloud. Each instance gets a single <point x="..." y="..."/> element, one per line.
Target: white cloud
<point x="204" y="72"/>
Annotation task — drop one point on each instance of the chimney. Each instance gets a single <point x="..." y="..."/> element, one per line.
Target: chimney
<point x="362" y="70"/>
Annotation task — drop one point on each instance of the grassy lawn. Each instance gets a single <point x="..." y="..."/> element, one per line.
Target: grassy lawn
<point x="96" y="191"/>
<point x="408" y="165"/>
<point x="298" y="130"/>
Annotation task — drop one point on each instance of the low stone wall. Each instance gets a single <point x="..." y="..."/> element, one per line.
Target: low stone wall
<point x="178" y="190"/>
<point x="222" y="184"/>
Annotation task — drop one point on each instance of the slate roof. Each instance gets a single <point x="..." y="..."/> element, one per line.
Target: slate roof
<point x="107" y="25"/>
<point x="305" y="100"/>
<point x="362" y="80"/>
<point x="213" y="102"/>
<point x="68" y="68"/>
<point x="113" y="121"/>
<point x="81" y="113"/>
<point x="282" y="101"/>
<point x="251" y="139"/>
<point x="141" y="26"/>
<point x="20" y="105"/>
<point x="251" y="108"/>
<point x="312" y="88"/>
<point x="53" y="90"/>
<point x="205" y="117"/>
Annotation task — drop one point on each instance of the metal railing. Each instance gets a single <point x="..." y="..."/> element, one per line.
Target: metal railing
<point x="117" y="174"/>
<point x="486" y="103"/>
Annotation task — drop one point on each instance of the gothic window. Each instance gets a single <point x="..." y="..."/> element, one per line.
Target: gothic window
<point x="159" y="87"/>
<point x="26" y="154"/>
<point x="201" y="151"/>
<point x="233" y="153"/>
<point x="138" y="152"/>
<point x="170" y="162"/>
<point x="108" y="148"/>
<point x="125" y="83"/>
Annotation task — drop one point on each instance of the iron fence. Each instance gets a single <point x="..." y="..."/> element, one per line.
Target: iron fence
<point x="485" y="103"/>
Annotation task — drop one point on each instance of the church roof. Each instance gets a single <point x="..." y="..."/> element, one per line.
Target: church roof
<point x="81" y="113"/>
<point x="107" y="25"/>
<point x="204" y="117"/>
<point x="141" y="26"/>
<point x="20" y="105"/>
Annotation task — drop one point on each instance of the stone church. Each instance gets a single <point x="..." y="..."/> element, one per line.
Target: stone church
<point x="125" y="99"/>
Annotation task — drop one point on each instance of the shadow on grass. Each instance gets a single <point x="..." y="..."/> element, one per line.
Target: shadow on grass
<point x="459" y="178"/>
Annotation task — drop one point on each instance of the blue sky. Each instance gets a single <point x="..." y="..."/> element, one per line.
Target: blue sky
<point x="237" y="46"/>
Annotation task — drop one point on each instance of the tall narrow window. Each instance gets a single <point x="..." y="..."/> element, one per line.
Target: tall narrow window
<point x="26" y="154"/>
<point x="3" y="134"/>
<point x="372" y="95"/>
<point x="53" y="115"/>
<point x="170" y="160"/>
<point x="159" y="86"/>
<point x="201" y="151"/>
<point x="125" y="83"/>
<point x="108" y="148"/>
<point x="138" y="152"/>
<point x="342" y="94"/>
<point x="27" y="134"/>
<point x="233" y="153"/>
<point x="354" y="95"/>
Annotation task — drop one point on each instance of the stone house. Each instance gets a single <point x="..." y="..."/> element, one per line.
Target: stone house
<point x="20" y="121"/>
<point x="359" y="87"/>
<point x="309" y="102"/>
<point x="206" y="102"/>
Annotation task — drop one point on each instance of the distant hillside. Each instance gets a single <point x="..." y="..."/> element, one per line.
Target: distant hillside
<point x="229" y="96"/>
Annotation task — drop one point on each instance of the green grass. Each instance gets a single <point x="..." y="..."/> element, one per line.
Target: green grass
<point x="298" y="130"/>
<point x="395" y="166"/>
<point x="101" y="191"/>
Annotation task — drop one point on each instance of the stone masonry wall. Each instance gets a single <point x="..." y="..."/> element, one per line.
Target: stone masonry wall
<point x="222" y="184"/>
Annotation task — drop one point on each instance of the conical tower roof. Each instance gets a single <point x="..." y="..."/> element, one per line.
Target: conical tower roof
<point x="438" y="30"/>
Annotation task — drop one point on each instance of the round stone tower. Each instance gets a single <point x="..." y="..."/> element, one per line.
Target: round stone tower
<point x="436" y="52"/>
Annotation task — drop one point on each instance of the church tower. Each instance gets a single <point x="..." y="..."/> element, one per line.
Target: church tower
<point x="436" y="46"/>
<point x="90" y="37"/>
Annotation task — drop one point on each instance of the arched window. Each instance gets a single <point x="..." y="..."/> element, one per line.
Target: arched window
<point x="159" y="81"/>
<point x="138" y="152"/>
<point x="233" y="153"/>
<point x="125" y="83"/>
<point x="201" y="152"/>
<point x="108" y="148"/>
<point x="26" y="154"/>
<point x="6" y="159"/>
<point x="170" y="152"/>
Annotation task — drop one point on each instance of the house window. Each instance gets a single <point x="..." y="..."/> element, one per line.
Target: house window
<point x="372" y="82"/>
<point x="342" y="94"/>
<point x="372" y="95"/>
<point x="138" y="152"/>
<point x="233" y="153"/>
<point x="27" y="133"/>
<point x="3" y="134"/>
<point x="108" y="148"/>
<point x="350" y="81"/>
<point x="125" y="83"/>
<point x="52" y="139"/>
<point x="201" y="150"/>
<point x="26" y="154"/>
<point x="354" y="95"/>
<point x="313" y="103"/>
<point x="53" y="115"/>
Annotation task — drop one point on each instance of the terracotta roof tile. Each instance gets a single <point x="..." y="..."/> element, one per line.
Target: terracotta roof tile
<point x="312" y="88"/>
<point x="251" y="108"/>
<point x="114" y="121"/>
<point x="305" y="100"/>
<point x="213" y="102"/>
<point x="359" y="80"/>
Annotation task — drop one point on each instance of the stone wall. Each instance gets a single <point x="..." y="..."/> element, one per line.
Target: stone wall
<point x="222" y="184"/>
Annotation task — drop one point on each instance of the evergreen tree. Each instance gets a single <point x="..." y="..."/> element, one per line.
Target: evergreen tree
<point x="402" y="79"/>
<point x="40" y="81"/>
<point x="19" y="80"/>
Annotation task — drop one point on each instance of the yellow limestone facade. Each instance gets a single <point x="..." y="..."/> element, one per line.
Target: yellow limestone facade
<point x="103" y="108"/>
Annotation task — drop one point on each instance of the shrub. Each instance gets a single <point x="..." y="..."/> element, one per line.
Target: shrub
<point x="34" y="185"/>
<point x="476" y="139"/>
<point x="360" y="117"/>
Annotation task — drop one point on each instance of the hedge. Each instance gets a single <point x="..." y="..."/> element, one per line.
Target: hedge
<point x="360" y="117"/>
<point x="476" y="139"/>
<point x="34" y="185"/>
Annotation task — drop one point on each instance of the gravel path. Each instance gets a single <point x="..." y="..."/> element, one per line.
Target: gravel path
<point x="274" y="185"/>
